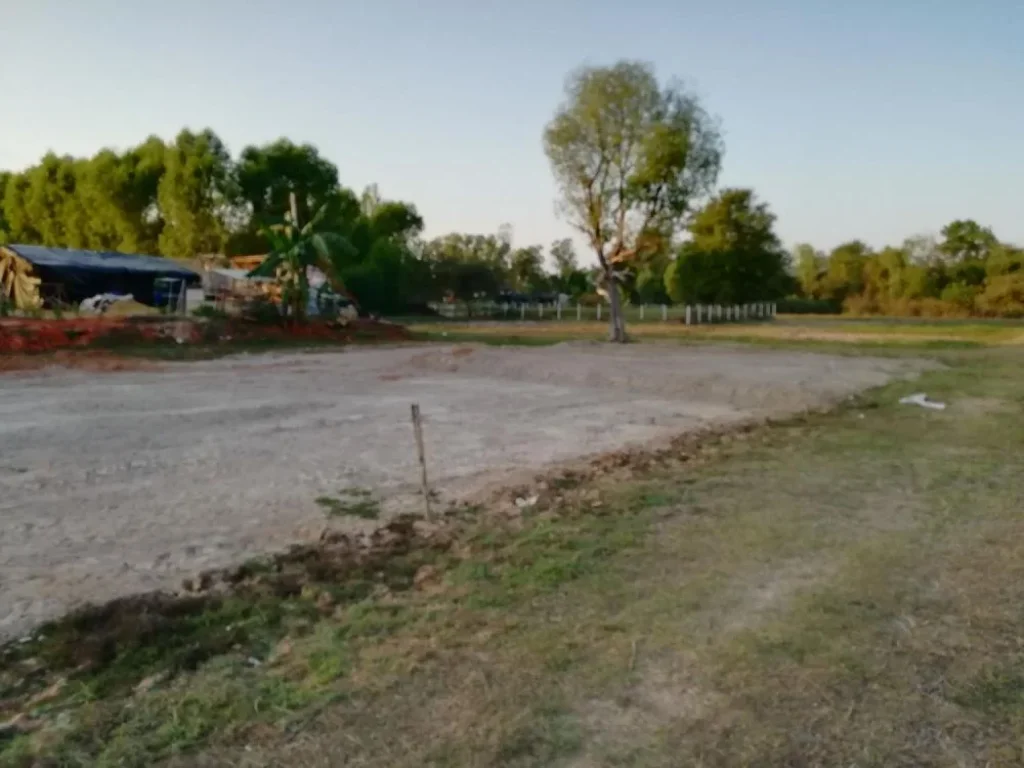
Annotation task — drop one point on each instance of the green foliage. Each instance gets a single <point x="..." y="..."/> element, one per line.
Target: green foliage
<point x="966" y="240"/>
<point x="295" y="249"/>
<point x="526" y="269"/>
<point x="106" y="202"/>
<point x="630" y="157"/>
<point x="958" y="276"/>
<point x="844" y="274"/>
<point x="1004" y="259"/>
<point x="960" y="295"/>
<point x="490" y="250"/>
<point x="650" y="285"/>
<point x="1003" y="296"/>
<point x="357" y="502"/>
<point x="733" y="256"/>
<point x="568" y="278"/>
<point x="465" y="280"/>
<point x="563" y="256"/>
<point x="269" y="174"/>
<point x="192" y="194"/>
<point x="810" y="269"/>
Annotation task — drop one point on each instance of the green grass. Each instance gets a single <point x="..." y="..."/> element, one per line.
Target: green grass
<point x="786" y="331"/>
<point x="834" y="589"/>
<point x="355" y="502"/>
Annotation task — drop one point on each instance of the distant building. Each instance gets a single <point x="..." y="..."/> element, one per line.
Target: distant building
<point x="30" y="274"/>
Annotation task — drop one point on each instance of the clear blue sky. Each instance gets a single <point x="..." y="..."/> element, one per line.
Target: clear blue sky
<point x="876" y="119"/>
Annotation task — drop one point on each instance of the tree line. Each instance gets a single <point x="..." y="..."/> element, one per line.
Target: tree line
<point x="189" y="197"/>
<point x="636" y="163"/>
<point x="965" y="271"/>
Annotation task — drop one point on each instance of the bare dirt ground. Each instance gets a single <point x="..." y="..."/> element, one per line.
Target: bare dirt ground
<point x="133" y="480"/>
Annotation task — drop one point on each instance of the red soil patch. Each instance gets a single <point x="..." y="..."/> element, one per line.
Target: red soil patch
<point x="22" y="335"/>
<point x="91" y="343"/>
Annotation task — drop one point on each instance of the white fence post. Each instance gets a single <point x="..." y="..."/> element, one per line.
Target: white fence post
<point x="687" y="314"/>
<point x="522" y="311"/>
<point x="700" y="311"/>
<point x="664" y="313"/>
<point x="558" y="310"/>
<point x="540" y="311"/>
<point x="642" y="311"/>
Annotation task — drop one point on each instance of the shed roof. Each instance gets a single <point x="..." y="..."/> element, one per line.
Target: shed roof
<point x="102" y="261"/>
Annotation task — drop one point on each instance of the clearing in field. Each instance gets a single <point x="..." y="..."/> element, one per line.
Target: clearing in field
<point x="839" y="588"/>
<point x="132" y="481"/>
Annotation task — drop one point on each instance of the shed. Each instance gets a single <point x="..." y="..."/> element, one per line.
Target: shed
<point x="219" y="281"/>
<point x="73" y="275"/>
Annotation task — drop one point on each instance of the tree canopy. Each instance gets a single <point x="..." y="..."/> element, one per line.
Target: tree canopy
<point x="634" y="161"/>
<point x="733" y="255"/>
<point x="630" y="158"/>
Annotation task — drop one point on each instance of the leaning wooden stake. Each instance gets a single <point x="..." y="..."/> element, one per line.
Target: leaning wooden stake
<point x="417" y="427"/>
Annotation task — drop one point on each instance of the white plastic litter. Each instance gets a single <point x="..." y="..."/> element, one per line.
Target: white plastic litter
<point x="920" y="398"/>
<point x="525" y="503"/>
<point x="102" y="302"/>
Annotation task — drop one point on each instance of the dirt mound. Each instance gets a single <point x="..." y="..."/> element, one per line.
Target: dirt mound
<point x="31" y="344"/>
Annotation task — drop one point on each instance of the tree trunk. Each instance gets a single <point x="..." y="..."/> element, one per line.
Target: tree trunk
<point x="616" y="320"/>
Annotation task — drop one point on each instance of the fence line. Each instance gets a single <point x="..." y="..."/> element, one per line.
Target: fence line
<point x="689" y="314"/>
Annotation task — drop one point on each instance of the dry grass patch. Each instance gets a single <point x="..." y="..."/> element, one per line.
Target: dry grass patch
<point x="840" y="589"/>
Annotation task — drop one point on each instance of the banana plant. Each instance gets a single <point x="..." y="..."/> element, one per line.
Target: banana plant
<point x="293" y="249"/>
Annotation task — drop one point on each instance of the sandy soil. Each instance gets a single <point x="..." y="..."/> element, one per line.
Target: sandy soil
<point x="116" y="483"/>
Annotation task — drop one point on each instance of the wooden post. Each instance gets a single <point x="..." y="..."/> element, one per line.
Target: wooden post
<point x="664" y="313"/>
<point x="642" y="306"/>
<point x="417" y="428"/>
<point x="687" y="314"/>
<point x="540" y="310"/>
<point x="579" y="311"/>
<point x="522" y="311"/>
<point x="599" y="311"/>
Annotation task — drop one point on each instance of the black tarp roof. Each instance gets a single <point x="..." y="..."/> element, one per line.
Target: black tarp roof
<point x="56" y="259"/>
<point x="73" y="275"/>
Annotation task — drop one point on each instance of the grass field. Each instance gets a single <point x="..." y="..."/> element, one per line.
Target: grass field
<point x="825" y="329"/>
<point x="839" y="589"/>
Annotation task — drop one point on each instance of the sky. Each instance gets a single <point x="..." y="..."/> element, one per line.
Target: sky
<point x="877" y="119"/>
